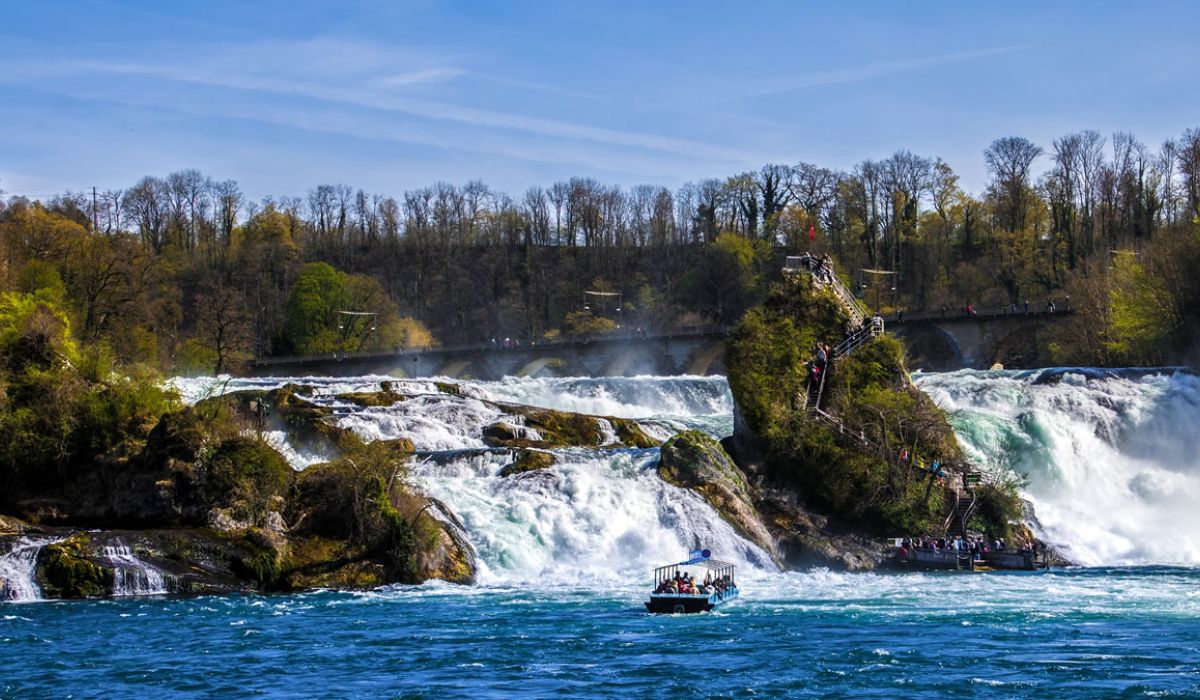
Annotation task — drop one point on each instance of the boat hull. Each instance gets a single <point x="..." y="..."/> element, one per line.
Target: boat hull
<point x="676" y="604"/>
<point x="933" y="560"/>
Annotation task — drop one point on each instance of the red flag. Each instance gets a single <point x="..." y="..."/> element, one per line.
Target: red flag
<point x="812" y="232"/>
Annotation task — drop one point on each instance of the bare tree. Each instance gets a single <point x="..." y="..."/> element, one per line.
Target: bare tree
<point x="1009" y="161"/>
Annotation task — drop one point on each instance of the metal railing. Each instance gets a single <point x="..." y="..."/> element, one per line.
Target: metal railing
<point x="823" y="272"/>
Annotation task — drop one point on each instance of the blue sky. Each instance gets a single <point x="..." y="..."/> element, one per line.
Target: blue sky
<point x="393" y="95"/>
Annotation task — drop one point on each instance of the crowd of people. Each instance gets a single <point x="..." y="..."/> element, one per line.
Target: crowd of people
<point x="684" y="583"/>
<point x="977" y="545"/>
<point x="822" y="267"/>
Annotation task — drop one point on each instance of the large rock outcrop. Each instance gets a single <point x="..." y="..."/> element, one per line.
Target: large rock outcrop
<point x="831" y="486"/>
<point x="694" y="460"/>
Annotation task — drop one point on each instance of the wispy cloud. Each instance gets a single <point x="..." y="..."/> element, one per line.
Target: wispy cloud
<point x="364" y="77"/>
<point x="870" y="70"/>
<point x="431" y="75"/>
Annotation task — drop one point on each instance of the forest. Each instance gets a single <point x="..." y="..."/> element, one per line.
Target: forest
<point x="184" y="273"/>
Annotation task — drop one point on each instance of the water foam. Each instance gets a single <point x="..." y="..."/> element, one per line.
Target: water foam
<point x="1110" y="459"/>
<point x="595" y="517"/>
<point x="17" y="566"/>
<point x="131" y="575"/>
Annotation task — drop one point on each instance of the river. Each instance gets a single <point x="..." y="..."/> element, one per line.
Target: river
<point x="1108" y="460"/>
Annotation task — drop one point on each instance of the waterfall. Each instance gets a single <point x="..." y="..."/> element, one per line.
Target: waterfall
<point x="132" y="576"/>
<point x="595" y="516"/>
<point x="1110" y="459"/>
<point x="17" y="567"/>
<point x="600" y="516"/>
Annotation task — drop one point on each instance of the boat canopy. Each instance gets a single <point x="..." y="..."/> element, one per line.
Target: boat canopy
<point x="699" y="558"/>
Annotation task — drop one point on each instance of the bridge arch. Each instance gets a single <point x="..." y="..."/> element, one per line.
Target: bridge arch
<point x="1017" y="346"/>
<point x="931" y="347"/>
<point x="455" y="369"/>
<point x="548" y="366"/>
<point x="638" y="359"/>
<point x="706" y="359"/>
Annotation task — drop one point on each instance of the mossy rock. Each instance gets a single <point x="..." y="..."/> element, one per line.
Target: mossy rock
<point x="631" y="434"/>
<point x="404" y="445"/>
<point x="247" y="476"/>
<point x="448" y="388"/>
<point x="693" y="458"/>
<point x="63" y="571"/>
<point x="696" y="461"/>
<point x="528" y="461"/>
<point x="563" y="429"/>
<point x="840" y="473"/>
<point x="372" y="399"/>
<point x="12" y="526"/>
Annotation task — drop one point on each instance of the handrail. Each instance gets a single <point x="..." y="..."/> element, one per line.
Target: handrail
<point x="953" y="511"/>
<point x="824" y="274"/>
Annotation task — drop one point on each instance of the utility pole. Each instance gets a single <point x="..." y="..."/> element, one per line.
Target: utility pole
<point x="95" y="213"/>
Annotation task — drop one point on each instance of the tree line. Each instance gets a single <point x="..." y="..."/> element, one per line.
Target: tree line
<point x="186" y="272"/>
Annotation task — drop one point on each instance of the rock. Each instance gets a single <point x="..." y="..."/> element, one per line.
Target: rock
<point x="64" y="571"/>
<point x="12" y="526"/>
<point x="372" y="399"/>
<point x="527" y="461"/>
<point x="547" y="428"/>
<point x="451" y="558"/>
<point x="809" y="540"/>
<point x="694" y="460"/>
<point x="222" y="520"/>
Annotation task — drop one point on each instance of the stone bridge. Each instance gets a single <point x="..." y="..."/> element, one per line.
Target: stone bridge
<point x="934" y="341"/>
<point x="699" y="351"/>
<point x="955" y="340"/>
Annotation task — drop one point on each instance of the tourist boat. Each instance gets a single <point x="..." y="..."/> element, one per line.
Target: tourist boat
<point x="699" y="568"/>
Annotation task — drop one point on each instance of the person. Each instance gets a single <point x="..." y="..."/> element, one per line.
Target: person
<point x="899" y="315"/>
<point x="943" y="311"/>
<point x="1026" y="307"/>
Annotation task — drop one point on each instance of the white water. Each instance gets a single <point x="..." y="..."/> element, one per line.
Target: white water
<point x="132" y="576"/>
<point x="1112" y="459"/>
<point x="597" y="515"/>
<point x="17" y="582"/>
<point x="1111" y="462"/>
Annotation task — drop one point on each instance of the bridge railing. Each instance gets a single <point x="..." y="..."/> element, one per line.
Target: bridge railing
<point x="984" y="314"/>
<point x="511" y="346"/>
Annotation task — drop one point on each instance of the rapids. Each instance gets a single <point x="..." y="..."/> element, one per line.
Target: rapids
<point x="1110" y="460"/>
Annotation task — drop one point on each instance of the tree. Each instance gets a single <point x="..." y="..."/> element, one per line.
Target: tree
<point x="223" y="325"/>
<point x="1009" y="160"/>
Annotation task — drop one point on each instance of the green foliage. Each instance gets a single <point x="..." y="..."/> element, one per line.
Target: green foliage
<point x="62" y="410"/>
<point x="1142" y="317"/>
<point x="248" y="476"/>
<point x="363" y="496"/>
<point x="311" y="310"/>
<point x="868" y="390"/>
<point x="39" y="277"/>
<point x="767" y="351"/>
<point x="314" y="324"/>
<point x="583" y="323"/>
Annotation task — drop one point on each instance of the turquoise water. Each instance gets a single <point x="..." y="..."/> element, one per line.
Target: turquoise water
<point x="1077" y="633"/>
